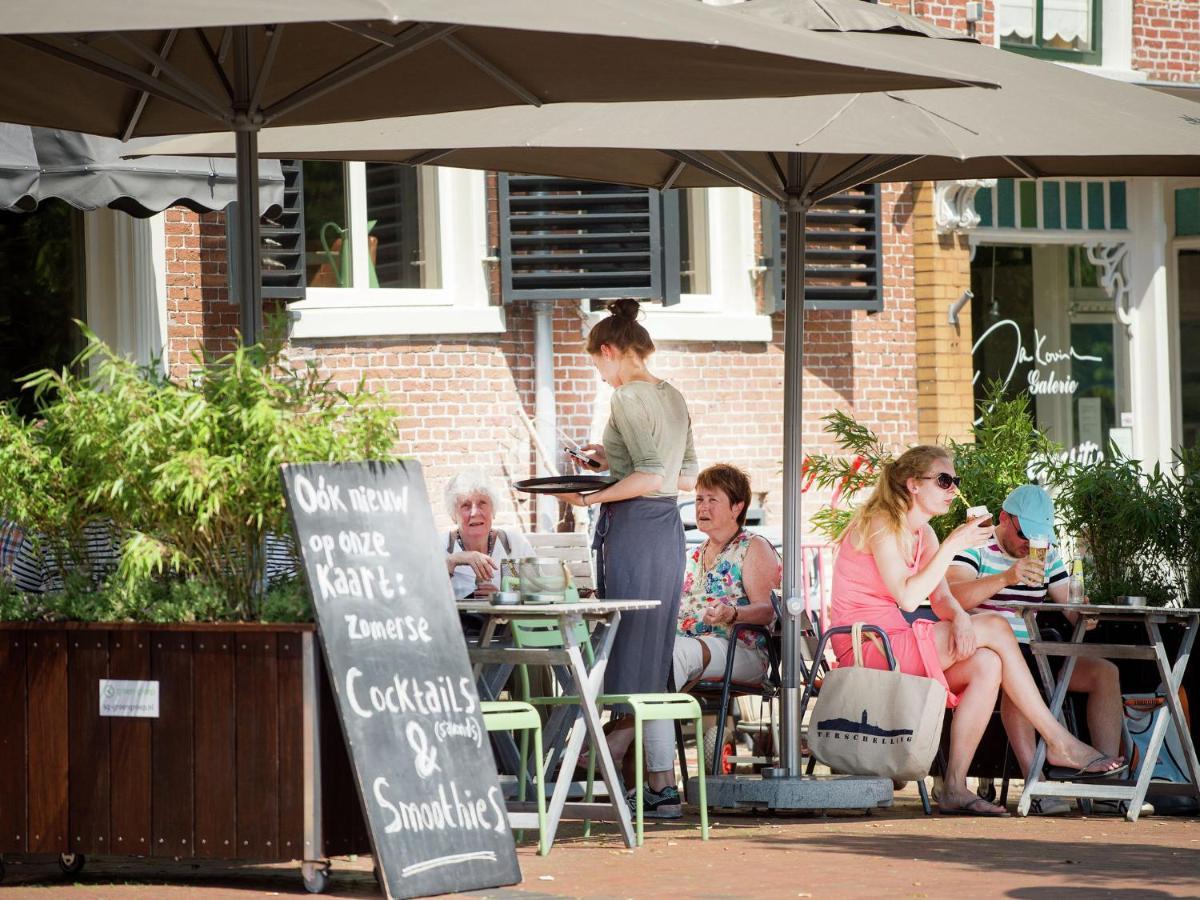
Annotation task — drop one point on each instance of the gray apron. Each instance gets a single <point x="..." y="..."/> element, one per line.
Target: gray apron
<point x="640" y="555"/>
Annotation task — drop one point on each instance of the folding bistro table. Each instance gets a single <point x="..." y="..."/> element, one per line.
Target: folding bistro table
<point x="584" y="683"/>
<point x="1152" y="648"/>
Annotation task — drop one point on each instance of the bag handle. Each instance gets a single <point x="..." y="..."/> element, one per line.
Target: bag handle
<point x="856" y="639"/>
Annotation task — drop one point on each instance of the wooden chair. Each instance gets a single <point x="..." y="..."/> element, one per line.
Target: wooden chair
<point x="572" y="546"/>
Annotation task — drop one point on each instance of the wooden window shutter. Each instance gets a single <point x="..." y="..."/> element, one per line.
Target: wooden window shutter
<point x="562" y="238"/>
<point x="843" y="263"/>
<point x="283" y="240"/>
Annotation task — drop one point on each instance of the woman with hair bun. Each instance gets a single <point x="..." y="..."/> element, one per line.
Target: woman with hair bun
<point x="639" y="539"/>
<point x="889" y="561"/>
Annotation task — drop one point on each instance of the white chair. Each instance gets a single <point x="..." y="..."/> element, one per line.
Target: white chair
<point x="574" y="547"/>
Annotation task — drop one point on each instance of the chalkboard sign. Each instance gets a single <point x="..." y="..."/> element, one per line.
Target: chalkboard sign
<point x="403" y="683"/>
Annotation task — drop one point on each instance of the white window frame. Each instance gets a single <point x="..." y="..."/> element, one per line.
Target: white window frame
<point x="729" y="311"/>
<point x="461" y="305"/>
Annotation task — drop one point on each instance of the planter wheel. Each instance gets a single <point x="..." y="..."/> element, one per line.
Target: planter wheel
<point x="316" y="876"/>
<point x="71" y="863"/>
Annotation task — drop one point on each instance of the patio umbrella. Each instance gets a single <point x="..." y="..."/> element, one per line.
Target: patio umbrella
<point x="122" y="69"/>
<point x="89" y="173"/>
<point x="799" y="151"/>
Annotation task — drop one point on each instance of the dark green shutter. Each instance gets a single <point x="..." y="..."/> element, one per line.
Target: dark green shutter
<point x="843" y="262"/>
<point x="561" y="238"/>
<point x="283" y="240"/>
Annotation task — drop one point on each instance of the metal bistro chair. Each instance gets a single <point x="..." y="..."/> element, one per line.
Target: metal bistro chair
<point x="646" y="707"/>
<point x="511" y="715"/>
<point x="716" y="695"/>
<point x="820" y="666"/>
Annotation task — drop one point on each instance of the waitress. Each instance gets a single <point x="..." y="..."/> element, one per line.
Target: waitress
<point x="639" y="539"/>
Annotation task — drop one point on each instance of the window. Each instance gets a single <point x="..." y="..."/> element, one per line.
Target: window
<point x="392" y="207"/>
<point x="710" y="233"/>
<point x="692" y="209"/>
<point x="41" y="255"/>
<point x="1045" y="327"/>
<point x="393" y="249"/>
<point x="1055" y="29"/>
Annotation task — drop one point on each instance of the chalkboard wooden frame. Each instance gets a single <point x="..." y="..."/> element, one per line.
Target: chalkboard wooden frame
<point x="401" y="678"/>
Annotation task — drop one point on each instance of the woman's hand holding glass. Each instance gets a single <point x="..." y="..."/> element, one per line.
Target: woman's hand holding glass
<point x="971" y="534"/>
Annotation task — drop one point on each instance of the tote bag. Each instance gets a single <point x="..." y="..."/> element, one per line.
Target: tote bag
<point x="876" y="721"/>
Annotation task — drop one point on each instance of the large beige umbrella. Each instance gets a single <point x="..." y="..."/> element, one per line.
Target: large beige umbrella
<point x="1044" y="120"/>
<point x="124" y="69"/>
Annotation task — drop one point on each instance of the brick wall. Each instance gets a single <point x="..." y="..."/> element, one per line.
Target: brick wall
<point x="945" y="395"/>
<point x="950" y="14"/>
<point x="1166" y="39"/>
<point x="200" y="316"/>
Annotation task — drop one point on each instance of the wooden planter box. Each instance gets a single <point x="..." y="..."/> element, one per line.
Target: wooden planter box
<point x="245" y="760"/>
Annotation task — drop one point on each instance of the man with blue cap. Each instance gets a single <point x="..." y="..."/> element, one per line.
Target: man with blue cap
<point x="1004" y="570"/>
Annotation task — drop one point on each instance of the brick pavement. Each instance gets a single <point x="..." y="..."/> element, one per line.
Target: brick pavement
<point x="895" y="853"/>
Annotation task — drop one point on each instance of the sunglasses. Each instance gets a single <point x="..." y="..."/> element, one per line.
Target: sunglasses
<point x="944" y="481"/>
<point x="1017" y="525"/>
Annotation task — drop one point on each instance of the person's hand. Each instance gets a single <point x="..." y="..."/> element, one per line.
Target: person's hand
<point x="596" y="452"/>
<point x="481" y="564"/>
<point x="970" y="534"/>
<point x="963" y="642"/>
<point x="485" y="589"/>
<point x="718" y="614"/>
<point x="574" y="499"/>
<point x="1028" y="571"/>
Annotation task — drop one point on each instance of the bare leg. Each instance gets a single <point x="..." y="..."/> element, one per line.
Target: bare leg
<point x="1021" y="735"/>
<point x="1098" y="678"/>
<point x="976" y="681"/>
<point x="993" y="632"/>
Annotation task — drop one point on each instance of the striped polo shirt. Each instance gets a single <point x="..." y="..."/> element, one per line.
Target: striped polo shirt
<point x="991" y="560"/>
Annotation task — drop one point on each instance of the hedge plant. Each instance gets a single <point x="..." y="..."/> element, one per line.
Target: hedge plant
<point x="185" y="472"/>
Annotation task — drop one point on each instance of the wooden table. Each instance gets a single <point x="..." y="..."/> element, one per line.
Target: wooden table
<point x="584" y="683"/>
<point x="1153" y="648"/>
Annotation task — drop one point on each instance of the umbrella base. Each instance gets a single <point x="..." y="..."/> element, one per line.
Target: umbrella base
<point x="798" y="792"/>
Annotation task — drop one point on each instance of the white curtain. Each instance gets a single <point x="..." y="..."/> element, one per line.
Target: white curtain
<point x="1017" y="17"/>
<point x="1068" y="20"/>
<point x="126" y="282"/>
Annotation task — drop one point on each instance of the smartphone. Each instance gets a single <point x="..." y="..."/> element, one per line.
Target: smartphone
<point x="582" y="457"/>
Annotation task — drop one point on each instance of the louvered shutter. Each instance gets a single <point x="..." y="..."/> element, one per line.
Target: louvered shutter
<point x="843" y="262"/>
<point x="561" y="238"/>
<point x="283" y="240"/>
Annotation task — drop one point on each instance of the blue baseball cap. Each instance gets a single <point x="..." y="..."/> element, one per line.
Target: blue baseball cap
<point x="1033" y="507"/>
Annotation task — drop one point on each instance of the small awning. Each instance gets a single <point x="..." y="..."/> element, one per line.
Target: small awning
<point x="89" y="173"/>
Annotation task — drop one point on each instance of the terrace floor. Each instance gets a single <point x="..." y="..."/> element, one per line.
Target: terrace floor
<point x="895" y="853"/>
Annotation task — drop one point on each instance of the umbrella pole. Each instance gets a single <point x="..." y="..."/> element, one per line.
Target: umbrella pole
<point x="793" y="456"/>
<point x="245" y="262"/>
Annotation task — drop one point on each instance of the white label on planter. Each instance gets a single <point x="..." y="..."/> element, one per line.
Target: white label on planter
<point x="136" y="699"/>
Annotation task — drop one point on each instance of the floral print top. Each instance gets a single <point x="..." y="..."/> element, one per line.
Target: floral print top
<point x="721" y="583"/>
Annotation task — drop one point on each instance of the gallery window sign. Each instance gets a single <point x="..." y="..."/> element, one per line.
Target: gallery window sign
<point x="1047" y="369"/>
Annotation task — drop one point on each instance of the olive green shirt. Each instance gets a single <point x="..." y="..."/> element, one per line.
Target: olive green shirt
<point x="649" y="430"/>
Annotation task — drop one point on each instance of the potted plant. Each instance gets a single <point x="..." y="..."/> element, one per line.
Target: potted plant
<point x="240" y="754"/>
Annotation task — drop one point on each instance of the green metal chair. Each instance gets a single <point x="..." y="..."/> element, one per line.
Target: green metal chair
<point x="646" y="707"/>
<point x="512" y="715"/>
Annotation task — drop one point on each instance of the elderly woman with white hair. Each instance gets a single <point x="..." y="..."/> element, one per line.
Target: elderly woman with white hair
<point x="474" y="548"/>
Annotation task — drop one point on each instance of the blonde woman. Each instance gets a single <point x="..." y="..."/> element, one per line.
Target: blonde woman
<point x="890" y="561"/>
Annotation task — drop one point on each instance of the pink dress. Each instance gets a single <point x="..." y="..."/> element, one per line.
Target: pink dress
<point x="859" y="595"/>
